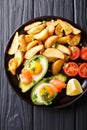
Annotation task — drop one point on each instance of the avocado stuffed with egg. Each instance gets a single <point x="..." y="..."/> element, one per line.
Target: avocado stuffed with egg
<point x="34" y="70"/>
<point x="47" y="89"/>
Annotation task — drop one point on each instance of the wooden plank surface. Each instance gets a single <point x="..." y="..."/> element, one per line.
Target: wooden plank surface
<point x="80" y="17"/>
<point x="16" y="114"/>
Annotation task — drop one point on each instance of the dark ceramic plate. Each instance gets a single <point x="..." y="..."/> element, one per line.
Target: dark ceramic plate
<point x="62" y="100"/>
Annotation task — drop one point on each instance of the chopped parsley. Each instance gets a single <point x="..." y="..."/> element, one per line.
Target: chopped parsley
<point x="48" y="103"/>
<point x="73" y="49"/>
<point x="55" y="45"/>
<point x="80" y="44"/>
<point x="37" y="59"/>
<point x="33" y="69"/>
<point x="45" y="95"/>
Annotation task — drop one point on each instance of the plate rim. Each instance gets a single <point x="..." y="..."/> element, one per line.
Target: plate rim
<point x="9" y="43"/>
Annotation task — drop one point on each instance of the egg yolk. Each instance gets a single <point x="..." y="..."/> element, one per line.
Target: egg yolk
<point x="46" y="91"/>
<point x="35" y="67"/>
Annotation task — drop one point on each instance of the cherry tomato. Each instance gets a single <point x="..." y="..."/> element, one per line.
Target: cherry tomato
<point x="58" y="84"/>
<point x="83" y="70"/>
<point x="26" y="77"/>
<point x="84" y="53"/>
<point x="71" y="69"/>
<point x="75" y="52"/>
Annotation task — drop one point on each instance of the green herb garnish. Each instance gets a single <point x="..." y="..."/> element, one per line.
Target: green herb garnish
<point x="73" y="49"/>
<point x="80" y="44"/>
<point x="33" y="69"/>
<point x="34" y="97"/>
<point x="79" y="63"/>
<point x="45" y="95"/>
<point x="37" y="59"/>
<point x="55" y="45"/>
<point x="47" y="102"/>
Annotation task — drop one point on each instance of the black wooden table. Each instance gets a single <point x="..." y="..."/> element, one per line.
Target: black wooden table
<point x="16" y="114"/>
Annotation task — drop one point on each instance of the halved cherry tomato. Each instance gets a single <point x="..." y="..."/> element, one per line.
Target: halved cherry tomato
<point x="84" y="53"/>
<point x="75" y="52"/>
<point x="71" y="69"/>
<point x="83" y="70"/>
<point x="58" y="84"/>
<point x="26" y="77"/>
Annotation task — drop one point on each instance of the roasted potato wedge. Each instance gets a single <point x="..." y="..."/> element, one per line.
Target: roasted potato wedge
<point x="52" y="23"/>
<point x="12" y="65"/>
<point x="33" y="51"/>
<point x="33" y="43"/>
<point x="22" y="42"/>
<point x="57" y="65"/>
<point x="14" y="45"/>
<point x="32" y="25"/>
<point x="64" y="49"/>
<point x="50" y="41"/>
<point x="44" y="34"/>
<point x="53" y="53"/>
<point x="36" y="29"/>
<point x="59" y="30"/>
<point x="51" y="30"/>
<point x="63" y="40"/>
<point x="29" y="38"/>
<point x="52" y="59"/>
<point x="74" y="30"/>
<point x="19" y="56"/>
<point x="74" y="39"/>
<point x="67" y="29"/>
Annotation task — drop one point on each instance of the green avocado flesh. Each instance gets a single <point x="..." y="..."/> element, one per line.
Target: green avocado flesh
<point x="44" y="61"/>
<point x="35" y="93"/>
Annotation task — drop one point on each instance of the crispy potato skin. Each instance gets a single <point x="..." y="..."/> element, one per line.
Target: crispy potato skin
<point x="12" y="65"/>
<point x="57" y="65"/>
<point x="44" y="34"/>
<point x="33" y="51"/>
<point x="32" y="25"/>
<point x="14" y="45"/>
<point x="36" y="29"/>
<point x="66" y="27"/>
<point x="22" y="42"/>
<point x="59" y="30"/>
<point x="74" y="39"/>
<point x="53" y="52"/>
<point x="50" y="41"/>
<point x="64" y="49"/>
<point x="74" y="30"/>
<point x="19" y="55"/>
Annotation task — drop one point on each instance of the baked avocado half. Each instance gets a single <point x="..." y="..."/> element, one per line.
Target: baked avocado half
<point x="37" y="67"/>
<point x="44" y="92"/>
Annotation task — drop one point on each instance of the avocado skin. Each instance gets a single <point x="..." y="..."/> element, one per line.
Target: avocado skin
<point x="25" y="88"/>
<point x="46" y="80"/>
